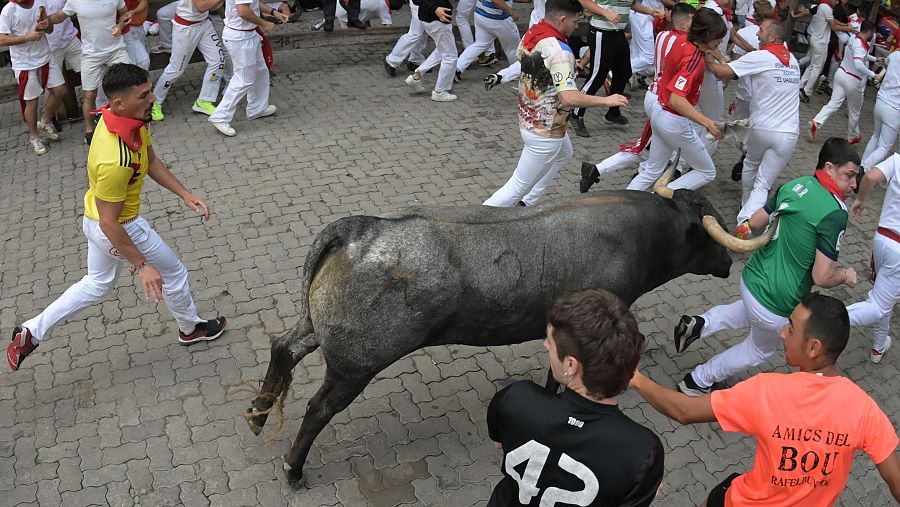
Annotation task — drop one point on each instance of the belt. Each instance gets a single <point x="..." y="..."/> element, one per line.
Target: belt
<point x="887" y="233"/>
<point x="132" y="219"/>
<point x="181" y="21"/>
<point x="254" y="29"/>
<point x="850" y="74"/>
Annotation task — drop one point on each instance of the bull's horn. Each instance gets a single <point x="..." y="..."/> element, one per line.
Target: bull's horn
<point x="722" y="237"/>
<point x="661" y="188"/>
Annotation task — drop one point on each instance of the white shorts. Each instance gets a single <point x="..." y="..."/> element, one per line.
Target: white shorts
<point x="33" y="88"/>
<point x="69" y="55"/>
<point x="93" y="67"/>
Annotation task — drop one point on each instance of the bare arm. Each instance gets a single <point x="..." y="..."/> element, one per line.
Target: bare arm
<point x="503" y="6"/>
<point x="872" y="177"/>
<point x="684" y="108"/>
<point x="57" y="17"/>
<point x="15" y="40"/>
<point x="837" y="26"/>
<point x="643" y="9"/>
<point x="672" y="404"/>
<point x="826" y="273"/>
<point x="759" y="220"/>
<point x="164" y="177"/>
<point x="247" y="14"/>
<point x="890" y="472"/>
<point x="596" y="10"/>
<point x="574" y="98"/>
<point x="722" y="71"/>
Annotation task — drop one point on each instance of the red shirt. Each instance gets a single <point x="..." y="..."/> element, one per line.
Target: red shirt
<point x="682" y="74"/>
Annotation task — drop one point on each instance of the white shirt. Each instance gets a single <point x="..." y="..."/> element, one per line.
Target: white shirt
<point x="240" y="28"/>
<point x="18" y="21"/>
<point x="820" y="27"/>
<point x="664" y="42"/>
<point x="890" y="210"/>
<point x="856" y="58"/>
<point x="749" y="33"/>
<point x="890" y="85"/>
<point x="64" y="32"/>
<point x="187" y="11"/>
<point x="723" y="47"/>
<point x="775" y="101"/>
<point x="97" y="19"/>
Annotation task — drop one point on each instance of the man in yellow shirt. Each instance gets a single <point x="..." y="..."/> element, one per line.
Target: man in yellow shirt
<point x="120" y="157"/>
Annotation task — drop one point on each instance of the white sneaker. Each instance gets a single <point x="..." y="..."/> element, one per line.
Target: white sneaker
<point x="416" y="84"/>
<point x="224" y="128"/>
<point x="38" y="146"/>
<point x="48" y="130"/>
<point x="268" y="111"/>
<point x="444" y="96"/>
<point x="876" y="355"/>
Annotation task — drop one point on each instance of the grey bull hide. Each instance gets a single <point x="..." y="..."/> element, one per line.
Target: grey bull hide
<point x="376" y="289"/>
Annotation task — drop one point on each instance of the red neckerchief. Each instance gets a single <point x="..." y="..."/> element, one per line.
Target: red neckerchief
<point x="539" y="32"/>
<point x="826" y="181"/>
<point x="638" y="146"/>
<point x="865" y="43"/>
<point x="829" y="3"/>
<point x="128" y="129"/>
<point x="752" y="21"/>
<point x="728" y="13"/>
<point x="780" y="51"/>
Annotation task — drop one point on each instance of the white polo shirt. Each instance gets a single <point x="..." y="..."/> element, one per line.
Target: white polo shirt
<point x="775" y="101"/>
<point x="890" y="210"/>
<point x="238" y="28"/>
<point x="97" y="19"/>
<point x="820" y="27"/>
<point x="187" y="11"/>
<point x="18" y="21"/>
<point x="64" y="32"/>
<point x="889" y="92"/>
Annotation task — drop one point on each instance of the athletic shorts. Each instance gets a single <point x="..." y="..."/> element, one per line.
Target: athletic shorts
<point x="716" y="496"/>
<point x="93" y="67"/>
<point x="33" y="88"/>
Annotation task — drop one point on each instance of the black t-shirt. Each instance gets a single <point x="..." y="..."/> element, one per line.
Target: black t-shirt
<point x="568" y="450"/>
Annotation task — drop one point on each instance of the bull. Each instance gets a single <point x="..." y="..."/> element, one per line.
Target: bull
<point x="378" y="288"/>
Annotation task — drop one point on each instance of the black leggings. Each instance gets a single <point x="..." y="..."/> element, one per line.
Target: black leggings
<point x="609" y="52"/>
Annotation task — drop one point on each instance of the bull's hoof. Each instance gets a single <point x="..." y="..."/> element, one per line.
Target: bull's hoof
<point x="255" y="420"/>
<point x="294" y="476"/>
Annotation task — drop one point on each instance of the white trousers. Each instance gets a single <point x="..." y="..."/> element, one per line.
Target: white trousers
<point x="621" y="160"/>
<point x="884" y="136"/>
<point x="542" y="157"/>
<point x="641" y="44"/>
<point x="767" y="154"/>
<point x="514" y="70"/>
<point x="251" y="78"/>
<point x="461" y="16"/>
<point x="817" y="54"/>
<point x="104" y="264"/>
<point x="411" y="43"/>
<point x="712" y="97"/>
<point x="185" y="39"/>
<point x="70" y="55"/>
<point x="488" y="30"/>
<point x="651" y="103"/>
<point x="671" y="132"/>
<point x="164" y="17"/>
<point x="879" y="306"/>
<point x="444" y="52"/>
<point x="759" y="345"/>
<point x="845" y="87"/>
<point x="136" y="46"/>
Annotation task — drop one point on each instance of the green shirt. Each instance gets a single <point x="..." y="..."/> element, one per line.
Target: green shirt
<point x="620" y="7"/>
<point x="812" y="219"/>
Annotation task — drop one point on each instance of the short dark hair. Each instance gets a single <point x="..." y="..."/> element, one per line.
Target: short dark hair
<point x="122" y="76"/>
<point x="706" y="26"/>
<point x="837" y="151"/>
<point x="866" y="26"/>
<point x="562" y="7"/>
<point x="682" y="10"/>
<point x="597" y="328"/>
<point x="828" y="322"/>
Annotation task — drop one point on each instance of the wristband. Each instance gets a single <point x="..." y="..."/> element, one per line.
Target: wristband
<point x="137" y="267"/>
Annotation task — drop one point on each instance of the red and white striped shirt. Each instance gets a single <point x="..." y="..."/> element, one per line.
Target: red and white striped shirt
<point x="664" y="42"/>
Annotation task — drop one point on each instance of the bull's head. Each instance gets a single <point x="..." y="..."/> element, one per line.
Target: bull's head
<point x="713" y="258"/>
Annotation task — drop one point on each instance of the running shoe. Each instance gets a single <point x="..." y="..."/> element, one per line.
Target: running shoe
<point x="415" y="84"/>
<point x="492" y="80"/>
<point x="203" y="332"/>
<point x="877" y="355"/>
<point x="577" y="125"/>
<point x="156" y="113"/>
<point x="204" y="106"/>
<point x="689" y="387"/>
<point x="813" y="129"/>
<point x="20" y="347"/>
<point x="687" y="331"/>
<point x="48" y="130"/>
<point x="589" y="176"/>
<point x="743" y="230"/>
<point x="38" y="146"/>
<point x="855" y="140"/>
<point x="487" y="60"/>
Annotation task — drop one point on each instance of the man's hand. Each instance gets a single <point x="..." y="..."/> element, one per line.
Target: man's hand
<point x="857" y="207"/>
<point x="198" y="204"/>
<point x="280" y="16"/>
<point x="514" y="15"/>
<point x="713" y="130"/>
<point x="268" y="27"/>
<point x="612" y="17"/>
<point x="849" y="277"/>
<point x="33" y="36"/>
<point x="616" y="101"/>
<point x="443" y="14"/>
<point x="152" y="282"/>
<point x="42" y="26"/>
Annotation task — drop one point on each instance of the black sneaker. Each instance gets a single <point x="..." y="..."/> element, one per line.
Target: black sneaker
<point x="578" y="127"/>
<point x="616" y="120"/>
<point x="492" y="80"/>
<point x="687" y="331"/>
<point x="203" y="332"/>
<point x="803" y="96"/>
<point x="487" y="60"/>
<point x="355" y="23"/>
<point x="412" y="66"/>
<point x="329" y="25"/>
<point x="690" y="388"/>
<point x="390" y="69"/>
<point x="457" y="77"/>
<point x="737" y="171"/>
<point x="589" y="176"/>
<point x="87" y="138"/>
<point x="521" y="204"/>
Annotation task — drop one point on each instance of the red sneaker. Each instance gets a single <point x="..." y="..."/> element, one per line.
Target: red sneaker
<point x="743" y="230"/>
<point x="203" y="332"/>
<point x="813" y="128"/>
<point x="855" y="140"/>
<point x="19" y="348"/>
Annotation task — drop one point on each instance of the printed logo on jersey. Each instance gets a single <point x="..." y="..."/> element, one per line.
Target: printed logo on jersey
<point x="680" y="83"/>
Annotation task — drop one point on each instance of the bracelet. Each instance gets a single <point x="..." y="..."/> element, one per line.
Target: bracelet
<point x="137" y="267"/>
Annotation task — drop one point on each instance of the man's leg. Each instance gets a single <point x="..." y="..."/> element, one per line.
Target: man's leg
<point x="777" y="149"/>
<point x="854" y="106"/>
<point x="562" y="157"/>
<point x="535" y="160"/>
<point x="880" y="302"/>
<point x="511" y="73"/>
<point x="217" y="62"/>
<point x="620" y="63"/>
<point x="695" y="155"/>
<point x="887" y="130"/>
<point x="817" y="55"/>
<point x="258" y="94"/>
<point x="599" y="67"/>
<point x="660" y="150"/>
<point x="461" y="16"/>
<point x="164" y="17"/>
<point x="838" y="94"/>
<point x="483" y="40"/>
<point x="442" y="34"/>
<point x="244" y="59"/>
<point x="712" y="98"/>
<point x="404" y="46"/>
<point x="184" y="42"/>
<point x="136" y="45"/>
<point x="508" y="34"/>
<point x="620" y="160"/>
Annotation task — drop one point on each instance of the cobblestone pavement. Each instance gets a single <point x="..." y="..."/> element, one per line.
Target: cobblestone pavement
<point x="110" y="410"/>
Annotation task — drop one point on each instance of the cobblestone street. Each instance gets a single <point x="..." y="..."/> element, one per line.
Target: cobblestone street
<point x="111" y="410"/>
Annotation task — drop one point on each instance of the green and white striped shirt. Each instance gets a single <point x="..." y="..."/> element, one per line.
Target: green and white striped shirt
<point x="620" y="7"/>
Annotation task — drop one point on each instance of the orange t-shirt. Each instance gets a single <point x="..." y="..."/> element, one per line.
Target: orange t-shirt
<point x="807" y="428"/>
